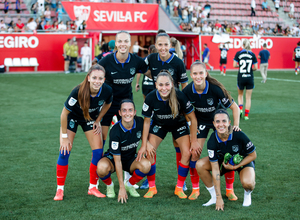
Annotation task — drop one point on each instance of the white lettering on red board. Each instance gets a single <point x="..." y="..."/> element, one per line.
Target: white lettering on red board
<point x="18" y="42"/>
<point x="237" y="43"/>
<point x="120" y="16"/>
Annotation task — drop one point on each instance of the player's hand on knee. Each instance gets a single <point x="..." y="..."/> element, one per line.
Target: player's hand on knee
<point x="65" y="146"/>
<point x="151" y="151"/>
<point x="141" y="153"/>
<point x="97" y="128"/>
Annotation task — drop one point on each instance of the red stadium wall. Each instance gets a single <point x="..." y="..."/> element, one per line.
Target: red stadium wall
<point x="281" y="50"/>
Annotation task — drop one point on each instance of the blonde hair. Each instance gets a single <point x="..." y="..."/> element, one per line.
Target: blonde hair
<point x="176" y="44"/>
<point x="173" y="102"/>
<point x="246" y="44"/>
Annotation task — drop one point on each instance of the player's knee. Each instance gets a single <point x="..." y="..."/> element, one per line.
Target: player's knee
<point x="248" y="185"/>
<point x="145" y="166"/>
<point x="200" y="165"/>
<point x="103" y="168"/>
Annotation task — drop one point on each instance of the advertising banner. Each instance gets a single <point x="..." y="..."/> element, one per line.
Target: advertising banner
<point x="114" y="16"/>
<point x="280" y="48"/>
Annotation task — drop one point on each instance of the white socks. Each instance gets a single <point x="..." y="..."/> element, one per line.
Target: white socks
<point x="60" y="187"/>
<point x="213" y="199"/>
<point x="93" y="185"/>
<point x="247" y="198"/>
<point x="126" y="175"/>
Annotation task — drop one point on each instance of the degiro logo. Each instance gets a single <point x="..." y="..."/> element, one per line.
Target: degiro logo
<point x="18" y="42"/>
<point x="237" y="43"/>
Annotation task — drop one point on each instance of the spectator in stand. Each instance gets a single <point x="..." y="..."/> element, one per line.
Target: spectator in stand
<point x="85" y="53"/>
<point x="11" y="26"/>
<point x="294" y="30"/>
<point x="207" y="29"/>
<point x="47" y="26"/>
<point x="225" y="25"/>
<point x="287" y="32"/>
<point x="253" y="6"/>
<point x="18" y="6"/>
<point x="62" y="27"/>
<point x="264" y="5"/>
<point x="168" y="7"/>
<point x="73" y="27"/>
<point x="82" y="26"/>
<point x="136" y="47"/>
<point x="47" y="3"/>
<point x="34" y="9"/>
<point x="190" y="10"/>
<point x="261" y="30"/>
<point x="3" y="25"/>
<point x="40" y="26"/>
<point x="59" y="12"/>
<point x="217" y="24"/>
<point x="97" y="50"/>
<point x="264" y="56"/>
<point x="54" y="26"/>
<point x="176" y="4"/>
<point x="182" y="26"/>
<point x="255" y="27"/>
<point x="198" y="8"/>
<point x="277" y="2"/>
<point x="179" y="9"/>
<point x="47" y="14"/>
<point x="292" y="11"/>
<point x="19" y="26"/>
<point x="197" y="28"/>
<point x="68" y="24"/>
<point x="53" y="5"/>
<point x="185" y="15"/>
<point x="31" y="25"/>
<point x="6" y="6"/>
<point x="74" y="54"/>
<point x="207" y="7"/>
<point x="194" y="17"/>
<point x="77" y="23"/>
<point x="268" y="31"/>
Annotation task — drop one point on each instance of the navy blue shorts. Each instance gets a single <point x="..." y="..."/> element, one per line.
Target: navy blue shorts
<point x="126" y="164"/>
<point x="177" y="132"/>
<point x="73" y="124"/>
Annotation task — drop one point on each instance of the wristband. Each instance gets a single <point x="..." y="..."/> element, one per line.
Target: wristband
<point x="64" y="135"/>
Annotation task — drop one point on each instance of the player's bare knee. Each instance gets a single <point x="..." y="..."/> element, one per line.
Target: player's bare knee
<point x="102" y="169"/>
<point x="248" y="186"/>
<point x="145" y="166"/>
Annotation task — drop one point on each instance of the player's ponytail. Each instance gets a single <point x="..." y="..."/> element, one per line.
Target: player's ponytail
<point x="173" y="102"/>
<point x="246" y="45"/>
<point x="84" y="93"/>
<point x="176" y="44"/>
<point x="213" y="80"/>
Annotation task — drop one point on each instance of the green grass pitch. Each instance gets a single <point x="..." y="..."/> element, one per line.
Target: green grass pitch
<point x="29" y="141"/>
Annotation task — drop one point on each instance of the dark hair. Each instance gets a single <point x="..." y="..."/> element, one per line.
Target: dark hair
<point x="84" y="92"/>
<point x="224" y="111"/>
<point x="161" y="31"/>
<point x="125" y="101"/>
<point x="162" y="35"/>
<point x="298" y="43"/>
<point x="152" y="49"/>
<point x="213" y="80"/>
<point x="264" y="45"/>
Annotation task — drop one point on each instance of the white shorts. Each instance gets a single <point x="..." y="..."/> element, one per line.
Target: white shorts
<point x="205" y="60"/>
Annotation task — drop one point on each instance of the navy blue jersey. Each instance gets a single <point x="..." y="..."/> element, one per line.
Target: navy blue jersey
<point x="120" y="75"/>
<point x="297" y="52"/>
<point x="237" y="142"/>
<point x="174" y="65"/>
<point x="124" y="142"/>
<point x="205" y="104"/>
<point x="104" y="96"/>
<point x="264" y="56"/>
<point x="162" y="114"/>
<point x="223" y="55"/>
<point x="245" y="59"/>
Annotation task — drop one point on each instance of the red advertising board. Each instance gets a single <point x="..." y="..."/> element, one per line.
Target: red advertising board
<point x="47" y="48"/>
<point x="114" y="16"/>
<point x="281" y="50"/>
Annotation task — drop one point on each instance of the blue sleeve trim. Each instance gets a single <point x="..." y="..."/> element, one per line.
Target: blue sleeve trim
<point x="235" y="60"/>
<point x="252" y="151"/>
<point x="190" y="111"/>
<point x="146" y="116"/>
<point x="213" y="160"/>
<point x="184" y="81"/>
<point x="68" y="109"/>
<point x="115" y="154"/>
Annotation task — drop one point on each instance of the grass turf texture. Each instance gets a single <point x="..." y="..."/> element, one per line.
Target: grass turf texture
<point x="29" y="134"/>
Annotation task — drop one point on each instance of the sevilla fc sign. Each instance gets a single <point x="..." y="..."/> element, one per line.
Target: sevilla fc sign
<point x="114" y="16"/>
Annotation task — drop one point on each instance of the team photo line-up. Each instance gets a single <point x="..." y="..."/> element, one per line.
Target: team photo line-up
<point x="187" y="110"/>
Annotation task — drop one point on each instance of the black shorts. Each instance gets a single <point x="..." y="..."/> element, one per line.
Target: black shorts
<point x="223" y="61"/>
<point x="126" y="164"/>
<point x="177" y="132"/>
<point x="204" y="129"/>
<point x="73" y="59"/>
<point x="146" y="90"/>
<point x="223" y="170"/>
<point x="112" y="111"/>
<point x="297" y="59"/>
<point x="67" y="58"/>
<point x="73" y="124"/>
<point x="248" y="83"/>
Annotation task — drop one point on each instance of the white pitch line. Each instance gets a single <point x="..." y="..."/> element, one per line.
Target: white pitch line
<point x="275" y="79"/>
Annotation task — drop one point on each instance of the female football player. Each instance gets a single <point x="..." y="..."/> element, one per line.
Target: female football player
<point x="206" y="94"/>
<point x="296" y="58"/>
<point x="124" y="138"/>
<point x="223" y="141"/>
<point x="85" y="106"/>
<point x="246" y="61"/>
<point x="165" y="106"/>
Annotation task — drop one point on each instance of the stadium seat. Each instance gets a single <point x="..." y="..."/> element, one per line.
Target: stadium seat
<point x="25" y="62"/>
<point x="8" y="62"/>
<point x="16" y="62"/>
<point x="33" y="62"/>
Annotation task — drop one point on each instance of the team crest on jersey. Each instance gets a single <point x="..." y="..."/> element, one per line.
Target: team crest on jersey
<point x="72" y="101"/>
<point x="210" y="101"/>
<point x="72" y="123"/>
<point x="132" y="71"/>
<point x="139" y="134"/>
<point x="202" y="127"/>
<point x="155" y="129"/>
<point x="211" y="153"/>
<point x="235" y="148"/>
<point x="145" y="107"/>
<point x="100" y="103"/>
<point x="114" y="145"/>
<point x="171" y="71"/>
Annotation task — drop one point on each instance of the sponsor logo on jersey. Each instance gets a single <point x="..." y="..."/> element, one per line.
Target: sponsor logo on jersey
<point x="82" y="12"/>
<point x="249" y="145"/>
<point x="188" y="104"/>
<point x="154" y="68"/>
<point x="225" y="100"/>
<point x="113" y="73"/>
<point x="235" y="148"/>
<point x="210" y="101"/>
<point x="246" y="75"/>
<point x="72" y="101"/>
<point x="202" y="127"/>
<point x="91" y="123"/>
<point x="181" y="128"/>
<point x="171" y="71"/>
<point x="145" y="107"/>
<point x="114" y="145"/>
<point x="72" y="123"/>
<point x="139" y="134"/>
<point x="132" y="71"/>
<point x="211" y="153"/>
<point x="100" y="103"/>
<point x="18" y="42"/>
